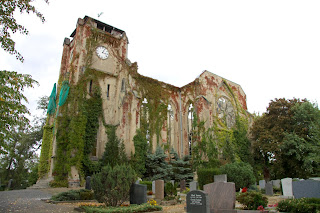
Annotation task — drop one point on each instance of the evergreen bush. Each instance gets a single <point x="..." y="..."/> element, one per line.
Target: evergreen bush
<point x="252" y="200"/>
<point x="181" y="167"/>
<point x="157" y="167"/>
<point x="146" y="207"/>
<point x="82" y="194"/>
<point x="206" y="175"/>
<point x="148" y="184"/>
<point x="239" y="173"/>
<point x="302" y="205"/>
<point x="112" y="185"/>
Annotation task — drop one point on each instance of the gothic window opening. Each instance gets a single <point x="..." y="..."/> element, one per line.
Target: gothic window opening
<point x="225" y="111"/>
<point x="170" y="119"/>
<point x="144" y="119"/>
<point x="90" y="87"/>
<point x="123" y="85"/>
<point x="190" y="127"/>
<point x="108" y="91"/>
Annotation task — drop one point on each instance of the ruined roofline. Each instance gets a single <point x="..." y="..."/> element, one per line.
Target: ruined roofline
<point x="100" y="25"/>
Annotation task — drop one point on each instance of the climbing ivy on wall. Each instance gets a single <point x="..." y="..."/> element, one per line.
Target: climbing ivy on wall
<point x="46" y="150"/>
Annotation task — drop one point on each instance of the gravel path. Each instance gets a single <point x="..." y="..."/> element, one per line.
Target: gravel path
<point x="29" y="201"/>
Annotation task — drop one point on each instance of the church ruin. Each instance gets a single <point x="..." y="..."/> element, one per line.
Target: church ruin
<point x="95" y="67"/>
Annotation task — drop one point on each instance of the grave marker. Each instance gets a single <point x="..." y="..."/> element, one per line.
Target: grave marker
<point x="306" y="188"/>
<point x="197" y="202"/>
<point x="182" y="185"/>
<point x="269" y="188"/>
<point x="193" y="185"/>
<point x="138" y="194"/>
<point x="222" y="196"/>
<point x="220" y="178"/>
<point x="287" y="187"/>
<point x="88" y="183"/>
<point x="159" y="187"/>
<point x="262" y="184"/>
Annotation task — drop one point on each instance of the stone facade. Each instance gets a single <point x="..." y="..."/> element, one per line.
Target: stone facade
<point x="128" y="98"/>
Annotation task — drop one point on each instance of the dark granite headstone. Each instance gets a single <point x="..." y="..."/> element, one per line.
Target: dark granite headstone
<point x="306" y="188"/>
<point x="269" y="188"/>
<point x="197" y="202"/>
<point x="182" y="185"/>
<point x="222" y="196"/>
<point x="10" y="184"/>
<point x="138" y="194"/>
<point x="88" y="183"/>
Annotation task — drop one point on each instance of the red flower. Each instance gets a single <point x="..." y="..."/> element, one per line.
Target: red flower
<point x="244" y="190"/>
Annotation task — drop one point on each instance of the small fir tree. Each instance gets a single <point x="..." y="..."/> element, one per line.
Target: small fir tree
<point x="157" y="167"/>
<point x="141" y="150"/>
<point x="181" y="167"/>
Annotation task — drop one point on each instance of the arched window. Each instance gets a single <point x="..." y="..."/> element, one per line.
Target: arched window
<point x="190" y="127"/>
<point x="144" y="119"/>
<point x="170" y="118"/>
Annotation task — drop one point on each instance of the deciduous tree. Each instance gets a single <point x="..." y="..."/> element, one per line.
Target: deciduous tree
<point x="9" y="25"/>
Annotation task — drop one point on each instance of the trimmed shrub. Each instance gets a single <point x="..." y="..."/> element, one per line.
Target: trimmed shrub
<point x="302" y="205"/>
<point x="146" y="207"/>
<point x="170" y="191"/>
<point x="206" y="176"/>
<point x="82" y="194"/>
<point x="252" y="200"/>
<point x="112" y="185"/>
<point x="239" y="173"/>
<point x="148" y="183"/>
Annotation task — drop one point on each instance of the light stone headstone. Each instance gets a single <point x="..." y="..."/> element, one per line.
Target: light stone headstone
<point x="159" y="186"/>
<point x="153" y="187"/>
<point x="138" y="194"/>
<point x="183" y="185"/>
<point x="220" y="178"/>
<point x="276" y="183"/>
<point x="269" y="188"/>
<point x="197" y="202"/>
<point x="193" y="185"/>
<point x="172" y="182"/>
<point x="222" y="196"/>
<point x="262" y="184"/>
<point x="287" y="187"/>
<point x="306" y="188"/>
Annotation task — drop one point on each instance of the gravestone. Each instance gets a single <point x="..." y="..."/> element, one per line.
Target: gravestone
<point x="138" y="194"/>
<point x="306" y="188"/>
<point x="88" y="183"/>
<point x="153" y="187"/>
<point x="220" y="178"/>
<point x="172" y="182"/>
<point x="276" y="183"/>
<point x="159" y="187"/>
<point x="193" y="185"/>
<point x="222" y="196"/>
<point x="182" y="185"/>
<point x="269" y="188"/>
<point x="10" y="184"/>
<point x="287" y="187"/>
<point x="262" y="184"/>
<point x="197" y="202"/>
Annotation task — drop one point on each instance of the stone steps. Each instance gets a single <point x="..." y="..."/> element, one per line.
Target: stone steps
<point x="41" y="184"/>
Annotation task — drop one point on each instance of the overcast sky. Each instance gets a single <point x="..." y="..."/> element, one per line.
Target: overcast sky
<point x="271" y="48"/>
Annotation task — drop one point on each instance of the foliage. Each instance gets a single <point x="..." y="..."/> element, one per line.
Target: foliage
<point x="112" y="185"/>
<point x="44" y="164"/>
<point x="124" y="209"/>
<point x="286" y="138"/>
<point x="157" y="167"/>
<point x="10" y="26"/>
<point x="114" y="153"/>
<point x="170" y="191"/>
<point x="12" y="110"/>
<point x="252" y="200"/>
<point x="302" y="205"/>
<point x="141" y="150"/>
<point x="239" y="173"/>
<point x="206" y="175"/>
<point x="148" y="184"/>
<point x="82" y="194"/>
<point x="181" y="168"/>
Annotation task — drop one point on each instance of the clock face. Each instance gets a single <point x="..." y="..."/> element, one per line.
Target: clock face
<point x="102" y="52"/>
<point x="225" y="112"/>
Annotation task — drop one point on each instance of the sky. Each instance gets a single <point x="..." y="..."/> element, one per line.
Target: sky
<point x="271" y="48"/>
